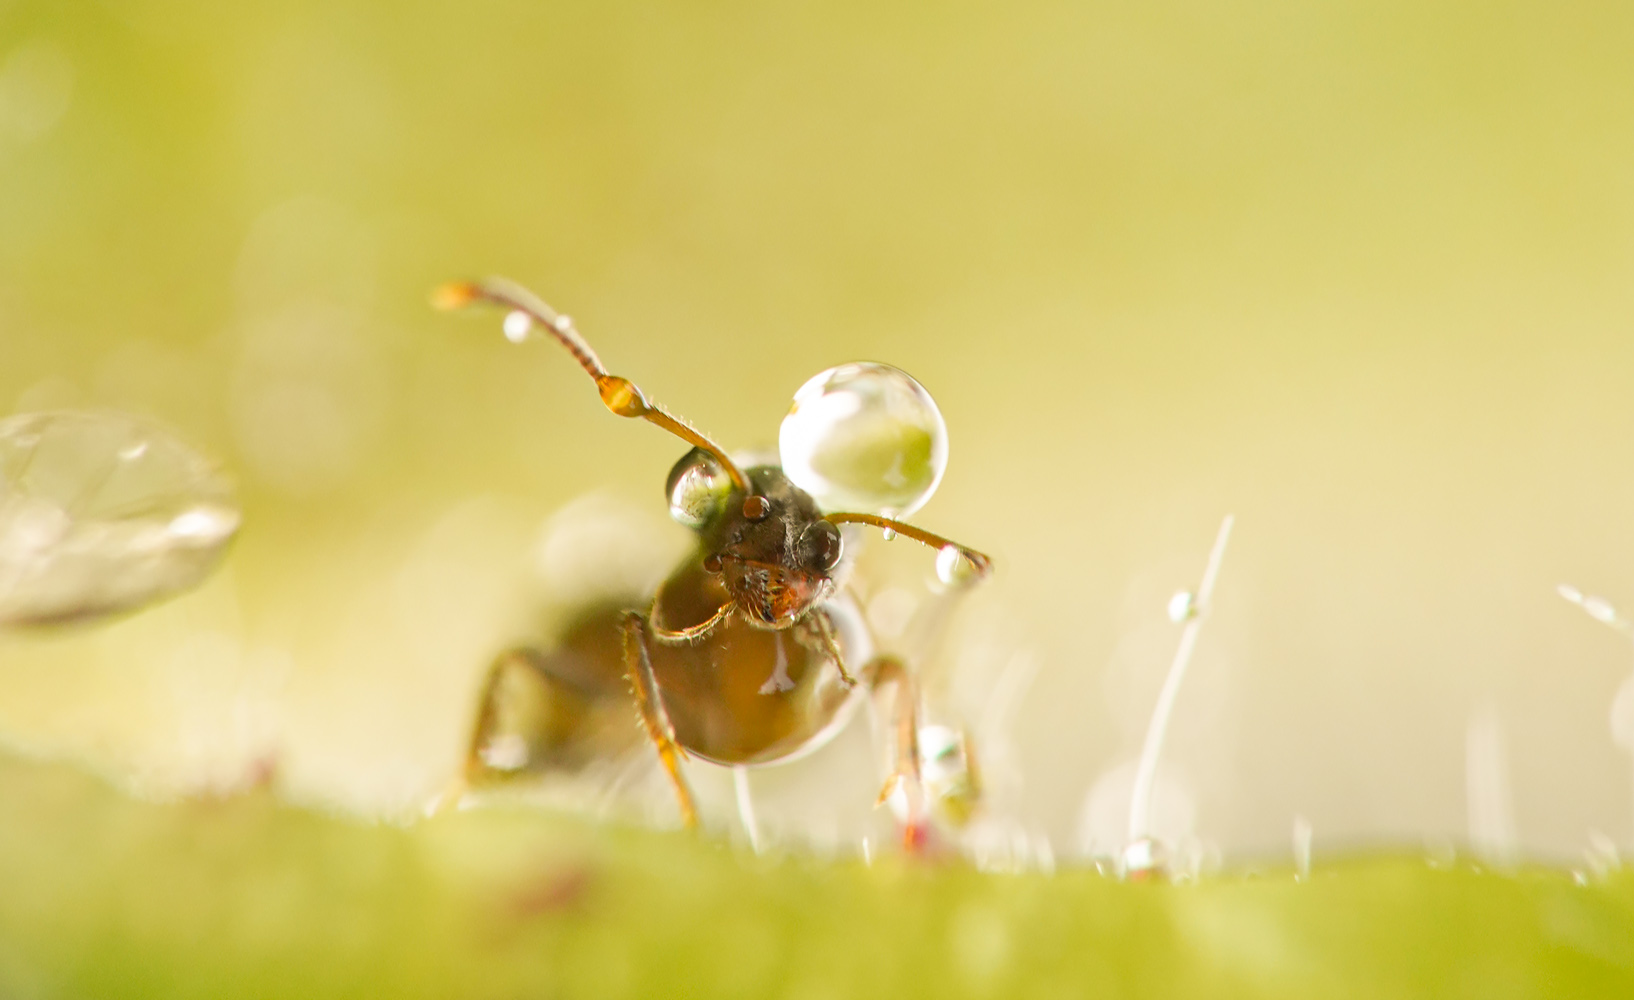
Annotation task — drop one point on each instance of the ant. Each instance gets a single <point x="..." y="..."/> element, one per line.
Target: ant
<point x="706" y="661"/>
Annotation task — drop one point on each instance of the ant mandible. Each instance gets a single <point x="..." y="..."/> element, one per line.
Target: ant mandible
<point x="706" y="663"/>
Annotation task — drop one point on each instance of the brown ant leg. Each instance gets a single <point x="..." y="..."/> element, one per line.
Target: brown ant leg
<point x="654" y="719"/>
<point x="482" y="729"/>
<point x="488" y="706"/>
<point x="904" y="776"/>
<point x="692" y="633"/>
<point x="831" y="645"/>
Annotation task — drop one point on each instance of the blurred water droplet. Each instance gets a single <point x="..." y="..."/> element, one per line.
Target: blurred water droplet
<point x="890" y="610"/>
<point x="1182" y="606"/>
<point x="518" y="324"/>
<point x="865" y="437"/>
<point x="1570" y="593"/>
<point x="1600" y="609"/>
<point x="952" y="568"/>
<point x="1142" y="860"/>
<point x="564" y="321"/>
<point x="101" y="513"/>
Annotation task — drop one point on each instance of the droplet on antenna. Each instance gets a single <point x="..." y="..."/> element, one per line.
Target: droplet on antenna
<point x="518" y="325"/>
<point x="952" y="567"/>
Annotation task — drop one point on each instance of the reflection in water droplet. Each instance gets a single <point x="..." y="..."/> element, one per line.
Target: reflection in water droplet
<point x="865" y="437"/>
<point x="206" y="525"/>
<point x="697" y="488"/>
<point x="517" y="326"/>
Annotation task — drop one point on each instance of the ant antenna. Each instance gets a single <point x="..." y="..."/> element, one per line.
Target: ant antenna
<point x="619" y="394"/>
<point x="981" y="564"/>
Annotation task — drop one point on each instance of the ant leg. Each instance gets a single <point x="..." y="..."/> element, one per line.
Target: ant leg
<point x="904" y="779"/>
<point x="824" y="626"/>
<point x="654" y="719"/>
<point x="478" y="751"/>
<point x="484" y="753"/>
<point x="692" y="633"/>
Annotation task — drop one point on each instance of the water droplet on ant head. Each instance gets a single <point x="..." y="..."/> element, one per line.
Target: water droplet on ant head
<point x="865" y="437"/>
<point x="952" y="567"/>
<point x="518" y="325"/>
<point x="697" y="489"/>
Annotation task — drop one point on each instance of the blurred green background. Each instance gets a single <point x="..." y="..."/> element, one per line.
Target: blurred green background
<point x="1356" y="272"/>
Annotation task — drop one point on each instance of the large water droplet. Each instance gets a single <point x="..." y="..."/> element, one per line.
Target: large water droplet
<point x="101" y="513"/>
<point x="698" y="488"/>
<point x="865" y="437"/>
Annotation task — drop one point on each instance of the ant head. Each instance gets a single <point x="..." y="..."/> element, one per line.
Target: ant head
<point x="776" y="554"/>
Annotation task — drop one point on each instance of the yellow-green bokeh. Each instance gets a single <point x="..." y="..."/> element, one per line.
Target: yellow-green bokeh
<point x="1360" y="273"/>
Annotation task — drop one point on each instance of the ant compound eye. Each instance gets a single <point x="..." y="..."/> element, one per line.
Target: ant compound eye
<point x="757" y="508"/>
<point x="697" y="489"/>
<point x="823" y="546"/>
<point x="865" y="437"/>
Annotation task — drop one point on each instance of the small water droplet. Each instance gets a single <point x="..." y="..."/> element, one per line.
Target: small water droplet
<point x="564" y="322"/>
<point x="865" y="437"/>
<point x="1142" y="860"/>
<point x="133" y="451"/>
<point x="889" y="533"/>
<point x="952" y="568"/>
<point x="518" y="325"/>
<point x="697" y="489"/>
<point x="1182" y="606"/>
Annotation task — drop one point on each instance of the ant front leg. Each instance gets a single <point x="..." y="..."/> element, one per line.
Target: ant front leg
<point x="649" y="703"/>
<point x="821" y="622"/>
